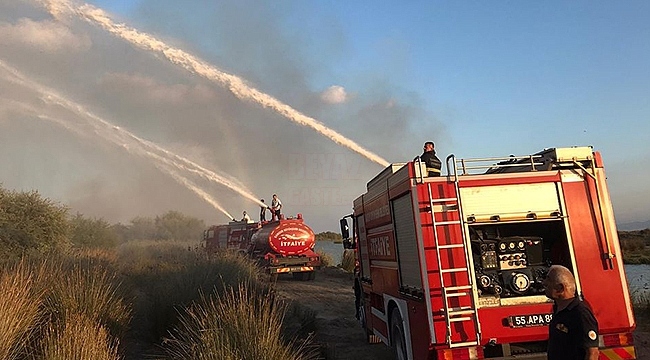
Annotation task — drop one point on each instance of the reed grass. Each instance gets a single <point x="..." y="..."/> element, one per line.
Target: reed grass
<point x="19" y="310"/>
<point x="93" y="293"/>
<point x="348" y="260"/>
<point x="167" y="276"/>
<point x="80" y="337"/>
<point x="237" y="325"/>
<point x="326" y="259"/>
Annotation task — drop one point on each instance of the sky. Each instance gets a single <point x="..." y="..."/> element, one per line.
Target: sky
<point x="480" y="79"/>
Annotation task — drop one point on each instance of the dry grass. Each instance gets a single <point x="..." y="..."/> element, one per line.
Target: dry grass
<point x="168" y="276"/>
<point x="19" y="311"/>
<point x="45" y="302"/>
<point x="72" y="306"/>
<point x="238" y="325"/>
<point x="80" y="337"/>
<point x="348" y="260"/>
<point x="91" y="292"/>
<point x="326" y="259"/>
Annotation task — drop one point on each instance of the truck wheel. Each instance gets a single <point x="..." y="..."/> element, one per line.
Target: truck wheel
<point x="312" y="275"/>
<point x="370" y="337"/>
<point x="397" y="339"/>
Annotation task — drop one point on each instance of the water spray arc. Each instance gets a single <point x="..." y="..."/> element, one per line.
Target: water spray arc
<point x="193" y="64"/>
<point x="165" y="160"/>
<point x="81" y="132"/>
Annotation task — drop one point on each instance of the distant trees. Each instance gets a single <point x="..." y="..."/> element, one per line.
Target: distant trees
<point x="329" y="236"/>
<point x="95" y="233"/>
<point x="172" y="225"/>
<point x="635" y="246"/>
<point x="31" y="223"/>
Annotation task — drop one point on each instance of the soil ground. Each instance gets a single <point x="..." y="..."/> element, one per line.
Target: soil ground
<point x="331" y="298"/>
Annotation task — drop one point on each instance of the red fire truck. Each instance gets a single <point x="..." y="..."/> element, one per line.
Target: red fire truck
<point x="280" y="247"/>
<point x="452" y="267"/>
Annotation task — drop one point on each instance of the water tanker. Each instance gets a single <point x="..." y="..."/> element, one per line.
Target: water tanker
<point x="280" y="247"/>
<point x="285" y="246"/>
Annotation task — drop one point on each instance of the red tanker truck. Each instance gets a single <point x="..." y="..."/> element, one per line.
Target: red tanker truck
<point x="280" y="247"/>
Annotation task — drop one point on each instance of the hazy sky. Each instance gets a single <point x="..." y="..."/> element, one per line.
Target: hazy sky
<point x="478" y="78"/>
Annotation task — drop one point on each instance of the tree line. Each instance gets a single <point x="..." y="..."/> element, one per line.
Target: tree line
<point x="31" y="223"/>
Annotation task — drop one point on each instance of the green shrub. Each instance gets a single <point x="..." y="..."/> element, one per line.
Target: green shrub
<point x="239" y="325"/>
<point x="29" y="222"/>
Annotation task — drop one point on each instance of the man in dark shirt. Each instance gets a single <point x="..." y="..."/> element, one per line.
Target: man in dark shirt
<point x="430" y="159"/>
<point x="263" y="209"/>
<point x="573" y="331"/>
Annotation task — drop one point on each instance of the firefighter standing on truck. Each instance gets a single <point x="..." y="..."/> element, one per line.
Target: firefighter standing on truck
<point x="276" y="206"/>
<point x="573" y="332"/>
<point x="430" y="159"/>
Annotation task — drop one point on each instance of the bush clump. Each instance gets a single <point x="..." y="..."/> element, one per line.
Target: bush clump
<point x="348" y="261"/>
<point x="238" y="325"/>
<point x="30" y="223"/>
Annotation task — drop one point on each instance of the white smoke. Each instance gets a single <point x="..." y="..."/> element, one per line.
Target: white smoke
<point x="130" y="142"/>
<point x="236" y="85"/>
<point x="334" y="95"/>
<point x="48" y="36"/>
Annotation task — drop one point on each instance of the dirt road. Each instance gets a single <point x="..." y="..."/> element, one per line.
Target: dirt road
<point x="331" y="297"/>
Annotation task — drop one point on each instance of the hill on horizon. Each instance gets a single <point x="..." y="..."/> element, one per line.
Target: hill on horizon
<point x="635" y="225"/>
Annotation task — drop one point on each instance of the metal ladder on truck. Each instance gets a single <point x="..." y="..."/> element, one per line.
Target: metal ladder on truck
<point x="462" y="313"/>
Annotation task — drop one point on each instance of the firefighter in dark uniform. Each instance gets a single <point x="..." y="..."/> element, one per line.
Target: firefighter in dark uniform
<point x="430" y="159"/>
<point x="573" y="331"/>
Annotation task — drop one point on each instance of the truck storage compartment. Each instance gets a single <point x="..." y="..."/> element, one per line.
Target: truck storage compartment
<point x="511" y="259"/>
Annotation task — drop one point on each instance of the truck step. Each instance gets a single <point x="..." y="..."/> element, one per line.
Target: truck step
<point x="462" y="344"/>
<point x="459" y="319"/>
<point x="444" y="271"/>
<point x="451" y="222"/>
<point x="444" y="200"/>
<point x="460" y="312"/>
<point x="451" y="246"/>
<point x="462" y="287"/>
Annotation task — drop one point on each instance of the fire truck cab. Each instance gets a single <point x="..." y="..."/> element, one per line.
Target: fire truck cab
<point x="452" y="267"/>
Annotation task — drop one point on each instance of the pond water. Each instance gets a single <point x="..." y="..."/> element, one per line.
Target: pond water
<point x="638" y="276"/>
<point x="333" y="249"/>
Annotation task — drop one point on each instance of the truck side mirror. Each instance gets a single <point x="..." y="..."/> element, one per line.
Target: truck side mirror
<point x="345" y="229"/>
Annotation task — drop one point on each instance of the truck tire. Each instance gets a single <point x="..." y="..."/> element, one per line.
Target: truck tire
<point x="312" y="275"/>
<point x="370" y="337"/>
<point x="397" y="338"/>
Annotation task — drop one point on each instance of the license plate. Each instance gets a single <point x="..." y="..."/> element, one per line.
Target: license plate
<point x="517" y="321"/>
